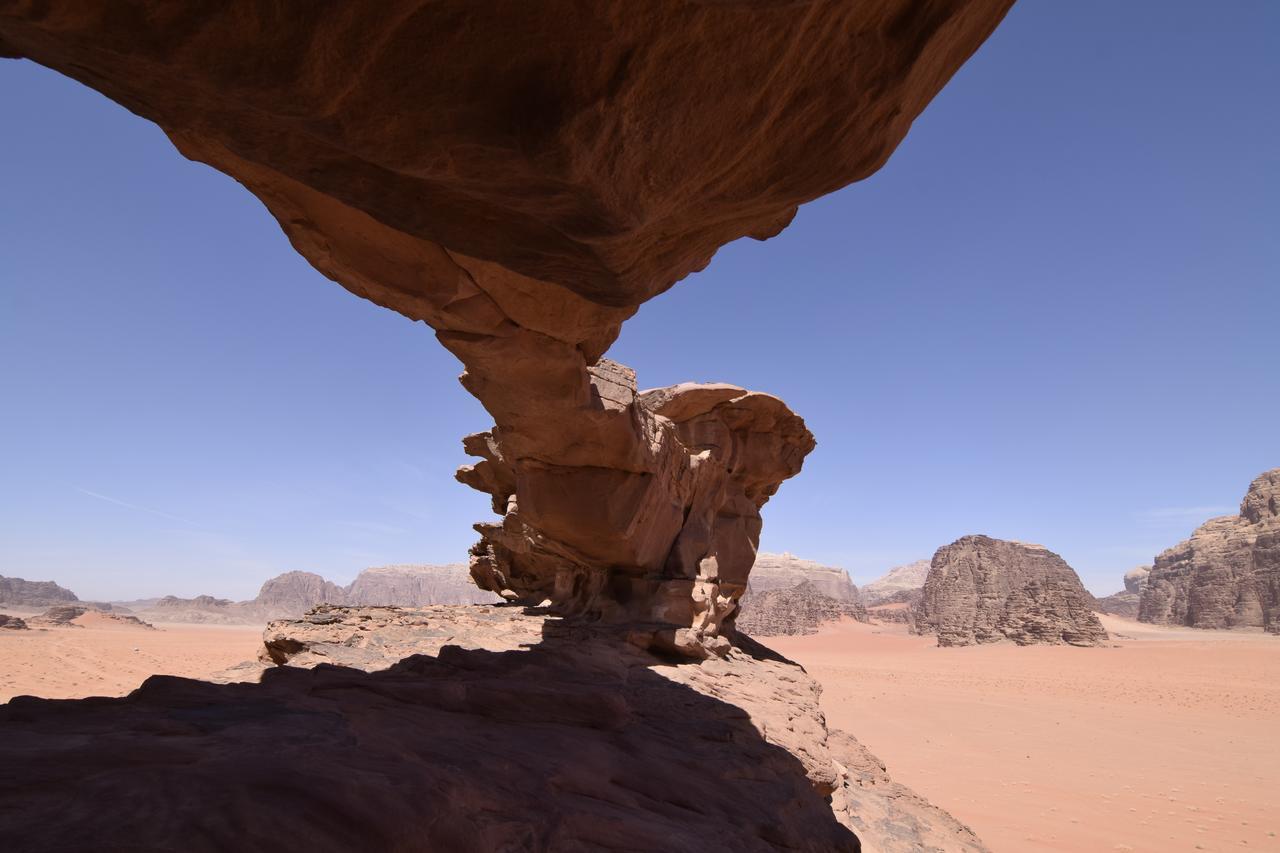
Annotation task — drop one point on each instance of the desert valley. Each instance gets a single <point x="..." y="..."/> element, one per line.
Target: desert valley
<point x="1066" y="723"/>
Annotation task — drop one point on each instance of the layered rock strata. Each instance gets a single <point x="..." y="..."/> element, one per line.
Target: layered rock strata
<point x="522" y="177"/>
<point x="984" y="590"/>
<point x="1227" y="575"/>
<point x="785" y="571"/>
<point x="1126" y="603"/>
<point x="802" y="609"/>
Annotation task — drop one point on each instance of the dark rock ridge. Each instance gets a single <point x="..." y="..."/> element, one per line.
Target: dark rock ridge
<point x="896" y="584"/>
<point x="984" y="590"/>
<point x="1227" y="575"/>
<point x="802" y="609"/>
<point x="23" y="593"/>
<point x="522" y="177"/>
<point x="784" y="571"/>
<point x="1126" y="603"/>
<point x="12" y="623"/>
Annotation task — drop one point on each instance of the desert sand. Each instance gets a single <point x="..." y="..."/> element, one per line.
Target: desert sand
<point x="102" y="658"/>
<point x="1167" y="739"/>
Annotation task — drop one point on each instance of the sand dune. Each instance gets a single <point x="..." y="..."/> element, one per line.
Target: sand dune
<point x="102" y="657"/>
<point x="1169" y="739"/>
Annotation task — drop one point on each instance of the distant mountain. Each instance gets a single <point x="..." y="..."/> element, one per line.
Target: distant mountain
<point x="798" y="610"/>
<point x="293" y="593"/>
<point x="895" y="582"/>
<point x="784" y="571"/>
<point x="23" y="593"/>
<point x="1126" y="603"/>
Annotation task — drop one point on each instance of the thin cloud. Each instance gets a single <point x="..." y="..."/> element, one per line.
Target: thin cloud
<point x="128" y="505"/>
<point x="1184" y="512"/>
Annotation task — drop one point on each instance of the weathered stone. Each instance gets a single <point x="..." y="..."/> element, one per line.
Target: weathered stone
<point x="1227" y="575"/>
<point x="785" y="571"/>
<point x="983" y="590"/>
<point x="522" y="177"/>
<point x="23" y="593"/>
<point x="12" y="623"/>
<point x="802" y="609"/>
<point x="898" y="580"/>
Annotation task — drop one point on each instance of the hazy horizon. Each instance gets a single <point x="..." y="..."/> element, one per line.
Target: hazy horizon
<point x="1051" y="317"/>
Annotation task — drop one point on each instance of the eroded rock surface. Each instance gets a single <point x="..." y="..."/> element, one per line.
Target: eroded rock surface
<point x="522" y="177"/>
<point x="1227" y="575"/>
<point x="12" y="623"/>
<point x="802" y="609"/>
<point x="24" y="593"/>
<point x="896" y="584"/>
<point x="609" y="686"/>
<point x="785" y="571"/>
<point x="984" y="590"/>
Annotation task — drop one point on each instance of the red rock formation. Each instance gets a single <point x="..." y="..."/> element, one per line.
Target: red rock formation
<point x="522" y="177"/>
<point x="984" y="590"/>
<point x="1227" y="575"/>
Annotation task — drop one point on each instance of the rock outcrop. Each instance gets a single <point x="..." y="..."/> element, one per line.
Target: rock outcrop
<point x="896" y="584"/>
<point x="785" y="571"/>
<point x="16" y="592"/>
<point x="12" y="623"/>
<point x="802" y="609"/>
<point x="1227" y="575"/>
<point x="546" y="171"/>
<point x="416" y="586"/>
<point x="1126" y="603"/>
<point x="296" y="592"/>
<point x="61" y="616"/>
<point x="984" y="590"/>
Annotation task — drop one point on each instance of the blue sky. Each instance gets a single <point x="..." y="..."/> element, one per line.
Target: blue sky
<point x="1051" y="317"/>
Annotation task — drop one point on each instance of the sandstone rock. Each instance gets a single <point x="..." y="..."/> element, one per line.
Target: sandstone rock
<point x="897" y="608"/>
<point x="898" y="580"/>
<point x="1126" y="603"/>
<point x="416" y="586"/>
<point x="785" y="571"/>
<point x="23" y="593"/>
<point x="62" y="616"/>
<point x="1227" y="575"/>
<point x="296" y="592"/>
<point x="12" y="623"/>
<point x="798" y="610"/>
<point x="557" y="165"/>
<point x="983" y="590"/>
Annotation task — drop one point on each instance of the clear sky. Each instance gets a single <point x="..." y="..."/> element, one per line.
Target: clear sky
<point x="1053" y="316"/>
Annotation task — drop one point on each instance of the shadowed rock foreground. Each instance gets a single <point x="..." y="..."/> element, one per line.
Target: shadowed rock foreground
<point x="508" y="730"/>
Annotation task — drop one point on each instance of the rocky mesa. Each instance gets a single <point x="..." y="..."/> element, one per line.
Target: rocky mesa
<point x="984" y="590"/>
<point x="1227" y="575"/>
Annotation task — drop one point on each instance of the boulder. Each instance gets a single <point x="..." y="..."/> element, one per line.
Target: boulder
<point x="12" y="623"/>
<point x="984" y="590"/>
<point x="1227" y="575"/>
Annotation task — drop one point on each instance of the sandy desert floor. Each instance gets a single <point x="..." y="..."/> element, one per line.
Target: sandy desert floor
<point x="102" y="658"/>
<point x="1168" y="741"/>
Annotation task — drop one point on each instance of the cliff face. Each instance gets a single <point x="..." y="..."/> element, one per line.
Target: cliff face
<point x="802" y="609"/>
<point x="785" y="571"/>
<point x="1227" y="575"/>
<point x="24" y="593"/>
<point x="983" y="590"/>
<point x="522" y="177"/>
<point x="415" y="586"/>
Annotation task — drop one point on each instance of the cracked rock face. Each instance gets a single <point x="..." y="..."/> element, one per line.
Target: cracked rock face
<point x="984" y="590"/>
<point x="522" y="177"/>
<point x="1227" y="575"/>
